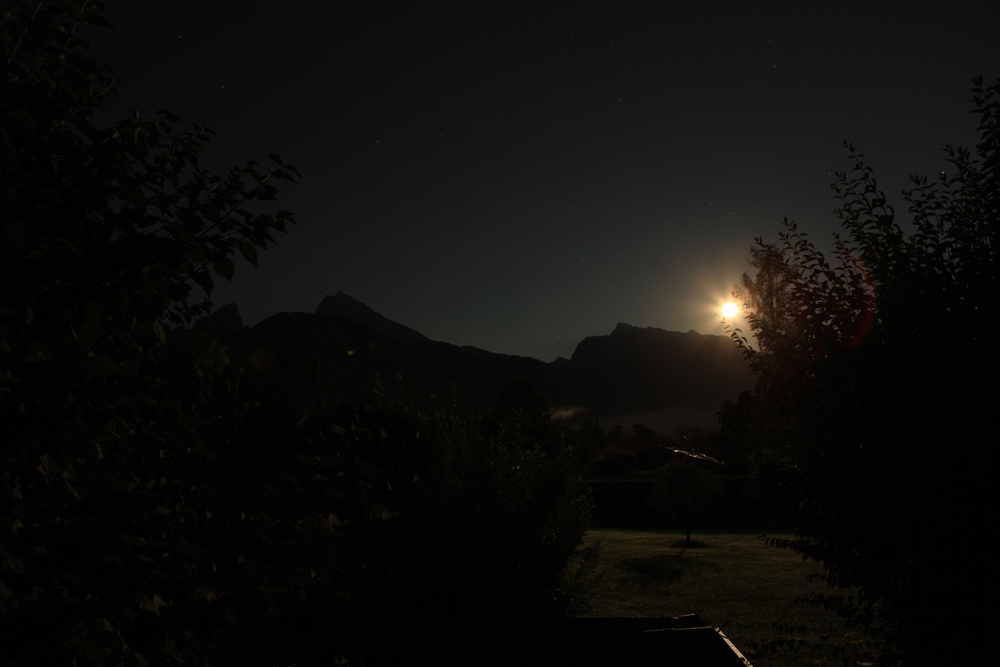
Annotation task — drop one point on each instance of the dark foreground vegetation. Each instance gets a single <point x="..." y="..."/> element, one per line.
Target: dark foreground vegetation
<point x="165" y="504"/>
<point x="875" y="387"/>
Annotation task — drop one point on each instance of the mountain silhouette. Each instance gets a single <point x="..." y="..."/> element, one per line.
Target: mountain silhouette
<point x="646" y="368"/>
<point x="349" y="308"/>
<point x="225" y="321"/>
<point x="648" y="375"/>
<point x="350" y="354"/>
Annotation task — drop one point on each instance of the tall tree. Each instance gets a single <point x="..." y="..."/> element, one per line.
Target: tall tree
<point x="685" y="490"/>
<point x="769" y="294"/>
<point x="104" y="232"/>
<point x="868" y="389"/>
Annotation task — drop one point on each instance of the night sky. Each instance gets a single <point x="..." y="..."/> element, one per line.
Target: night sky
<point x="518" y="179"/>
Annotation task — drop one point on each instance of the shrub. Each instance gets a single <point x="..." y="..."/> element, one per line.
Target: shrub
<point x="497" y="532"/>
<point x="614" y="465"/>
<point x="653" y="458"/>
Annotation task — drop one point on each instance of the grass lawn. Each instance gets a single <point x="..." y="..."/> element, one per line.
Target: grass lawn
<point x="734" y="581"/>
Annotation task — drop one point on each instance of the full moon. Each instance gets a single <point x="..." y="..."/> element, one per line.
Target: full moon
<point x="730" y="310"/>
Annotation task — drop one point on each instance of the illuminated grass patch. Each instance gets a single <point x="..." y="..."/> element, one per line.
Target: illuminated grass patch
<point x="732" y="580"/>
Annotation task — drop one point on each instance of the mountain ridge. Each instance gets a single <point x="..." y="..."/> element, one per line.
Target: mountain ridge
<point x="634" y="374"/>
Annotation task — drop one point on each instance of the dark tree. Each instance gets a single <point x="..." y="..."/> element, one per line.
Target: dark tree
<point x="870" y="391"/>
<point x="103" y="234"/>
<point x="643" y="437"/>
<point x="685" y="490"/>
<point x="735" y="429"/>
<point x="521" y="395"/>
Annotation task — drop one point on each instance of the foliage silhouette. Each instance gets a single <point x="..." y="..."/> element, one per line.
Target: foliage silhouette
<point x="735" y="434"/>
<point x="868" y="400"/>
<point x="116" y="542"/>
<point x="685" y="490"/>
<point x="162" y="504"/>
<point x="616" y="464"/>
<point x="497" y="531"/>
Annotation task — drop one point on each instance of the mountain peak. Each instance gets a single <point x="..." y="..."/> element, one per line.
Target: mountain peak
<point x="222" y="322"/>
<point x="349" y="308"/>
<point x="343" y="305"/>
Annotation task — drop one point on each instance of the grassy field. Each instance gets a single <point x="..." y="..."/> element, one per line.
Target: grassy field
<point x="733" y="581"/>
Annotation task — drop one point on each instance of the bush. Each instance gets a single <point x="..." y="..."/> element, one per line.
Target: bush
<point x="614" y="465"/>
<point x="496" y="534"/>
<point x="653" y="458"/>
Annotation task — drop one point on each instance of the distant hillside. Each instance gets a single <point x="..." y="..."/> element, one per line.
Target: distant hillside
<point x="660" y="378"/>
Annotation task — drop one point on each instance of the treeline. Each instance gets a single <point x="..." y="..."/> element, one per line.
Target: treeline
<point x="641" y="479"/>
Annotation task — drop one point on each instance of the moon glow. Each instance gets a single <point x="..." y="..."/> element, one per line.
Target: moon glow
<point x="730" y="310"/>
